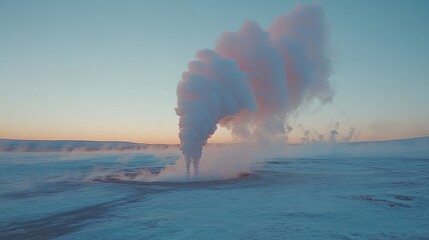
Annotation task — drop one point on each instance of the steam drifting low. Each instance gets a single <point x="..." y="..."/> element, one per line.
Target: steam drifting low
<point x="253" y="79"/>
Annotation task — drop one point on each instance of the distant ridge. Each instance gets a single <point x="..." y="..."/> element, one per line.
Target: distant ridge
<point x="15" y="145"/>
<point x="400" y="140"/>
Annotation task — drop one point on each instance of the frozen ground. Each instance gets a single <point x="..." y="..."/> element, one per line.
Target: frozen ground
<point x="69" y="195"/>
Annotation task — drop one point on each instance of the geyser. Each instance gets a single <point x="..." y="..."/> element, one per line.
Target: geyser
<point x="253" y="79"/>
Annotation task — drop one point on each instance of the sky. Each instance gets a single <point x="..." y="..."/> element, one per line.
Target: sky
<point x="108" y="70"/>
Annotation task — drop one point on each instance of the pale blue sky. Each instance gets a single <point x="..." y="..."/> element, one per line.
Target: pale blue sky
<point x="107" y="70"/>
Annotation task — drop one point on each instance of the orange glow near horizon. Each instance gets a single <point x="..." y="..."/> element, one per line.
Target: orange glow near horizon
<point x="170" y="135"/>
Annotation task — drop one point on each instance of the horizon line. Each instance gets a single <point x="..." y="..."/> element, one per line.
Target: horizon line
<point x="175" y="144"/>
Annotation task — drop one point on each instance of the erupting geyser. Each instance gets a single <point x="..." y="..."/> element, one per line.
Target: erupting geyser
<point x="253" y="79"/>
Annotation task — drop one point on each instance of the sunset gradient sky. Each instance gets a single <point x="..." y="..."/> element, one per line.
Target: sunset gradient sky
<point x="108" y="70"/>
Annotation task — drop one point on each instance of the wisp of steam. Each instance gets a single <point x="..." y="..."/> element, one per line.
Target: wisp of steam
<point x="253" y="79"/>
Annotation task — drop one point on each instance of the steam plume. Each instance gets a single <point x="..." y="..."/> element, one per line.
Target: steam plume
<point x="253" y="79"/>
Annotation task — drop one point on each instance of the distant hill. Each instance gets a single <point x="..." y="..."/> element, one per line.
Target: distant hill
<point x="13" y="145"/>
<point x="416" y="147"/>
<point x="405" y="141"/>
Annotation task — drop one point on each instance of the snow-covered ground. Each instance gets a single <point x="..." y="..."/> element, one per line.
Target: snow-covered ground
<point x="304" y="192"/>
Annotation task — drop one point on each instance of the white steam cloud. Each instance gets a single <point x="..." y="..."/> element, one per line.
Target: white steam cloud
<point x="253" y="79"/>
